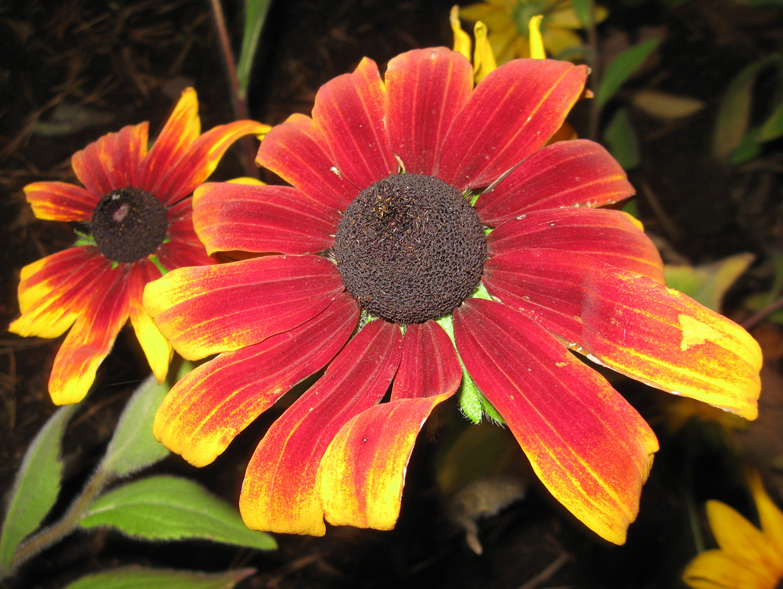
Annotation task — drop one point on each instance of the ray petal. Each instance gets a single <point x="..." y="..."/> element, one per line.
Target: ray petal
<point x="112" y="161"/>
<point x="611" y="236"/>
<point x="426" y="89"/>
<point x="511" y="114"/>
<point x="279" y="492"/>
<point x="262" y="219"/>
<point x="563" y="174"/>
<point x="590" y="448"/>
<point x="212" y="404"/>
<point x="349" y="112"/>
<point x="211" y="309"/>
<point x="632" y="324"/>
<point x="59" y="201"/>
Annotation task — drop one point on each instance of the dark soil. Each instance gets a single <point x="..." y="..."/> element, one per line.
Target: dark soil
<point x="126" y="61"/>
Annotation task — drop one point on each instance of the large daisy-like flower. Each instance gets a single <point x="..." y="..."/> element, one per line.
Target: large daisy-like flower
<point x="508" y="23"/>
<point x="140" y="226"/>
<point x="748" y="557"/>
<point x="380" y="232"/>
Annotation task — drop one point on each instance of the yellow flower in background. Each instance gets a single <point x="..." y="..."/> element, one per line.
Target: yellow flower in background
<point x="508" y="24"/>
<point x="748" y="557"/>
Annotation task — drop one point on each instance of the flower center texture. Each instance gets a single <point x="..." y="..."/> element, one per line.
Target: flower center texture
<point x="410" y="248"/>
<point x="129" y="224"/>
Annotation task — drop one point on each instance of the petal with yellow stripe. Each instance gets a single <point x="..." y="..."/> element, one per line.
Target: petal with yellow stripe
<point x="213" y="403"/>
<point x="588" y="446"/>
<point x="279" y="492"/>
<point x="633" y="324"/>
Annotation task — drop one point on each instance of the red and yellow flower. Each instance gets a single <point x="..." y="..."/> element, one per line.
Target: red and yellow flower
<point x="134" y="203"/>
<point x="431" y="239"/>
<point x="748" y="557"/>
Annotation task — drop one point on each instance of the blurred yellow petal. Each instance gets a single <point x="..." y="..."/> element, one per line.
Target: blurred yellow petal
<point x="462" y="43"/>
<point x="558" y="40"/>
<point x="483" y="59"/>
<point x="714" y="569"/>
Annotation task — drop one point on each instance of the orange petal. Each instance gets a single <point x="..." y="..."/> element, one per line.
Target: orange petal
<point x="54" y="291"/>
<point x="211" y="309"/>
<point x="91" y="338"/>
<point x="362" y="473"/>
<point x="212" y="404"/>
<point x="58" y="201"/>
<point x="112" y="161"/>
<point x="632" y="324"/>
<point x="279" y="492"/>
<point x="590" y="448"/>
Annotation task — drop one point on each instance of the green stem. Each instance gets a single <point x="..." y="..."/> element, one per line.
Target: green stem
<point x="58" y="530"/>
<point x="238" y="97"/>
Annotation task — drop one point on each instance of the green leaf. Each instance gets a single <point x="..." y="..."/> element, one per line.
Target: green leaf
<point x="36" y="486"/>
<point x="255" y="16"/>
<point x="143" y="578"/>
<point x="620" y="137"/>
<point x="772" y="128"/>
<point x="734" y="110"/>
<point x="621" y="68"/>
<point x="133" y="446"/>
<point x="748" y="148"/>
<point x="583" y="9"/>
<point x="470" y="398"/>
<point x="708" y="283"/>
<point x="169" y="508"/>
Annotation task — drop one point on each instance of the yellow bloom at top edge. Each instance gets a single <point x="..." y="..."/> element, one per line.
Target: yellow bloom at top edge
<point x="509" y="25"/>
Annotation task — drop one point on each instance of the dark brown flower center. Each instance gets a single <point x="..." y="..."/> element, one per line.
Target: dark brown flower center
<point x="410" y="248"/>
<point x="129" y="224"/>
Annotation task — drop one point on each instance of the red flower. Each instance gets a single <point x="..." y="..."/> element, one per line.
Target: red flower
<point x="380" y="224"/>
<point x="140" y="227"/>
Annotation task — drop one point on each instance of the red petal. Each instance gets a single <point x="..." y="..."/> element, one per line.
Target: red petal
<point x="512" y="113"/>
<point x="429" y="364"/>
<point x="362" y="473"/>
<point x="210" y="309"/>
<point x="564" y="174"/>
<point x="632" y="324"/>
<point x="112" y="161"/>
<point x="91" y="338"/>
<point x="58" y="201"/>
<point x="262" y="219"/>
<point x="210" y="406"/>
<point x="279" y="491"/>
<point x="297" y="152"/>
<point x="183" y="247"/>
<point x="426" y="89"/>
<point x="611" y="236"/>
<point x="54" y="290"/>
<point x="349" y="113"/>
<point x="589" y="447"/>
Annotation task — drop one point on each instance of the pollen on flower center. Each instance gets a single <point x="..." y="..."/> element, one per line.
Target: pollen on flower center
<point x="129" y="224"/>
<point x="410" y="248"/>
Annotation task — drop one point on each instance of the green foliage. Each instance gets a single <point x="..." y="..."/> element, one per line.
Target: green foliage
<point x="141" y="578"/>
<point x="732" y="136"/>
<point x="255" y="16"/>
<point x="758" y="301"/>
<point x="133" y="446"/>
<point x="169" y="508"/>
<point x="621" y="139"/>
<point x="708" y="283"/>
<point x="36" y="486"/>
<point x="584" y="11"/>
<point x="621" y="68"/>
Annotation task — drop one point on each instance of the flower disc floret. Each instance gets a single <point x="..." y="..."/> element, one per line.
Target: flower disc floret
<point x="410" y="248"/>
<point x="129" y="224"/>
